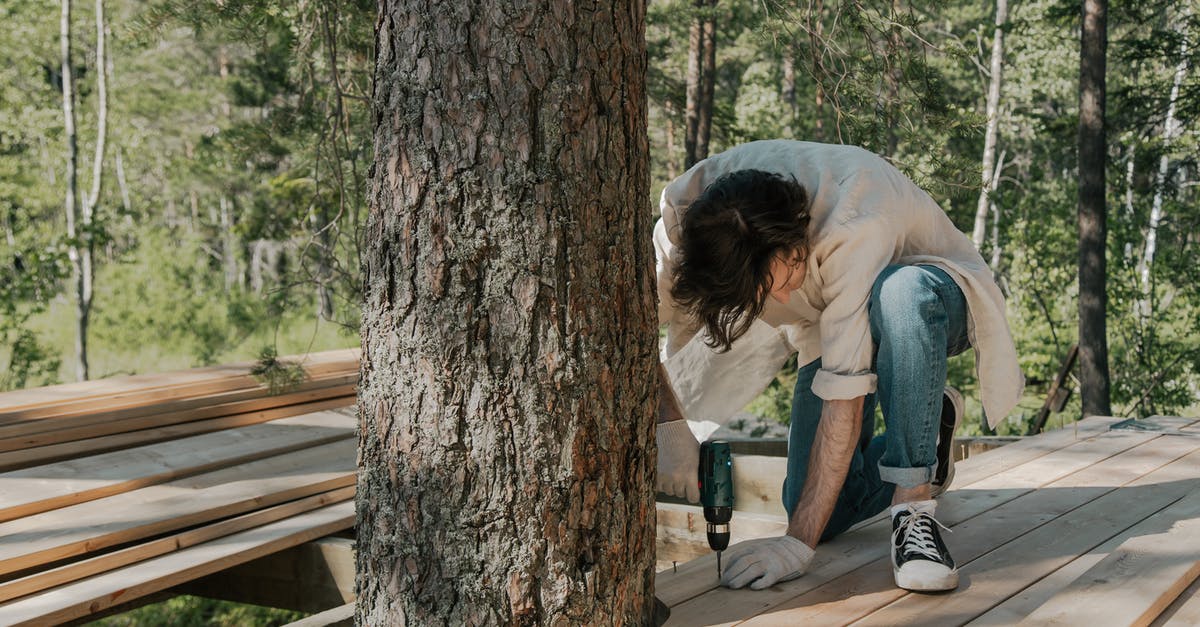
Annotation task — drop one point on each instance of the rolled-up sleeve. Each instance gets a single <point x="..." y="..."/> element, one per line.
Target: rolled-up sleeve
<point x="854" y="255"/>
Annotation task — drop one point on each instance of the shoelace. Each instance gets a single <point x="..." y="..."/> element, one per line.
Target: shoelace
<point x="917" y="534"/>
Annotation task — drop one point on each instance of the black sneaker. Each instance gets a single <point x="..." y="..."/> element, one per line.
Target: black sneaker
<point x="920" y="560"/>
<point x="952" y="413"/>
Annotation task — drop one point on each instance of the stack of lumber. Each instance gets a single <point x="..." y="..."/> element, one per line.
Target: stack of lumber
<point x="42" y="425"/>
<point x="1085" y="525"/>
<point x="120" y="489"/>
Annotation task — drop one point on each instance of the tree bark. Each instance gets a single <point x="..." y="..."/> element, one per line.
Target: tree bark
<point x="74" y="249"/>
<point x="506" y="456"/>
<point x="708" y="76"/>
<point x="1170" y="130"/>
<point x="1093" y="228"/>
<point x="989" y="173"/>
<point x="789" y="81"/>
<point x="691" y="112"/>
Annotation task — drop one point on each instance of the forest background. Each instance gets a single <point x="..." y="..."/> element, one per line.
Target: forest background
<point x="226" y="217"/>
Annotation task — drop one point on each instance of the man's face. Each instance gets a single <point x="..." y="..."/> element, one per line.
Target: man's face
<point x="787" y="275"/>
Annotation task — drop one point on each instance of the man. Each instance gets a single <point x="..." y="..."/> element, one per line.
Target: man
<point x="774" y="247"/>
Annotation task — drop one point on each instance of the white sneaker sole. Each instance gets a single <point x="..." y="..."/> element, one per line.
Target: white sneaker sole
<point x="923" y="576"/>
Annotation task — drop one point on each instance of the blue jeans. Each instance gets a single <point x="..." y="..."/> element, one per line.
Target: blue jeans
<point x="918" y="320"/>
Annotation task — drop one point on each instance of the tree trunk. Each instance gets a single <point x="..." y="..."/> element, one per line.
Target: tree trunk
<point x="789" y="83"/>
<point x="509" y="337"/>
<point x="229" y="262"/>
<point x="1093" y="228"/>
<point x="691" y="112"/>
<point x="708" y="76"/>
<point x="672" y="163"/>
<point x="896" y="51"/>
<point x="1170" y="130"/>
<point x="990" y="174"/>
<point x="74" y="250"/>
<point x="816" y="21"/>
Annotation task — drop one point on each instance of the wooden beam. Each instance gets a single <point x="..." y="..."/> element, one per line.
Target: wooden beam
<point x="310" y="577"/>
<point x="80" y="598"/>
<point x="89" y="527"/>
<point x="1139" y="579"/>
<point x="154" y="388"/>
<point x="74" y="571"/>
<point x="43" y="488"/>
<point x="25" y="434"/>
<point x="681" y="531"/>
<point x="17" y="460"/>
<point x="340" y="616"/>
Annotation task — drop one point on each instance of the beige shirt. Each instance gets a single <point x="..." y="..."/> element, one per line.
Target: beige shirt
<point x="866" y="215"/>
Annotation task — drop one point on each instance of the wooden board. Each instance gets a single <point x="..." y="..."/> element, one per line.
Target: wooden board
<point x="676" y="587"/>
<point x="16" y="460"/>
<point x="311" y="577"/>
<point x="145" y="550"/>
<point x="1184" y="612"/>
<point x="78" y="599"/>
<point x="158" y="387"/>
<point x="1139" y="579"/>
<point x="871" y="587"/>
<point x="682" y="537"/>
<point x="1008" y="569"/>
<point x="43" y="488"/>
<point x="341" y="616"/>
<point x="54" y="535"/>
<point x="1056" y="452"/>
<point x="21" y="434"/>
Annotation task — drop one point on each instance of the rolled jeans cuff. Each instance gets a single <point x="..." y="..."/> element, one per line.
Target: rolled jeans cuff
<point x="907" y="477"/>
<point x="832" y="386"/>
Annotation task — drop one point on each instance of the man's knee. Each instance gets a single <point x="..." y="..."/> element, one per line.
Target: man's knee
<point x="904" y="296"/>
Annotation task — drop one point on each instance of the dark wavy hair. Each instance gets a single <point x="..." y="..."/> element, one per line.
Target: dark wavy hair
<point x="730" y="235"/>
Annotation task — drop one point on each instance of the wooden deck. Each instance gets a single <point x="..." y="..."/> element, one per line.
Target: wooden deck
<point x="115" y="491"/>
<point x="1083" y="526"/>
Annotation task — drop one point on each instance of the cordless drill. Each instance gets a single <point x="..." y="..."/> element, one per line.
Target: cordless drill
<point x="716" y="493"/>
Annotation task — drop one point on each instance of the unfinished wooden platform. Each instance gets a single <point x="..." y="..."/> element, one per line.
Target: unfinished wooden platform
<point x="118" y="490"/>
<point x="1082" y="526"/>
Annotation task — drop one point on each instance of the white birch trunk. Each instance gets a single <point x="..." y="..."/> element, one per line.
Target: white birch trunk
<point x="1170" y="129"/>
<point x="989" y="174"/>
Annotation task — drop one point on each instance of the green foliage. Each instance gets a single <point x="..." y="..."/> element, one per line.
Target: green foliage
<point x="279" y="376"/>
<point x="189" y="611"/>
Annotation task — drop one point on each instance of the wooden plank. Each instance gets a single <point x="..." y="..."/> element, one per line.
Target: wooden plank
<point x="148" y="388"/>
<point x="14" y="435"/>
<point x="1184" y="612"/>
<point x="109" y="561"/>
<point x="311" y="577"/>
<point x="871" y="587"/>
<point x="94" y="429"/>
<point x="88" y="527"/>
<point x="681" y="532"/>
<point x="1012" y="567"/>
<point x="868" y="541"/>
<point x="43" y="488"/>
<point x="80" y="598"/>
<point x="341" y="616"/>
<point x="1139" y="579"/>
<point x="16" y="460"/>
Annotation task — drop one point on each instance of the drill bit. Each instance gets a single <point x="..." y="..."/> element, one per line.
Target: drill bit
<point x="718" y="564"/>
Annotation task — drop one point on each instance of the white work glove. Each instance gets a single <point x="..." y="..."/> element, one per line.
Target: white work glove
<point x="764" y="562"/>
<point x="678" y="460"/>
